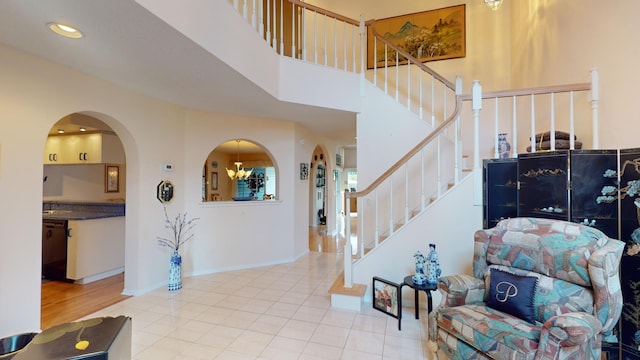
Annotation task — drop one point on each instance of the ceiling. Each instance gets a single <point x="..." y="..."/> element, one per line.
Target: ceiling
<point x="126" y="45"/>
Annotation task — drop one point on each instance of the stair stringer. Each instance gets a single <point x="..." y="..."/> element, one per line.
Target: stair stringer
<point x="450" y="222"/>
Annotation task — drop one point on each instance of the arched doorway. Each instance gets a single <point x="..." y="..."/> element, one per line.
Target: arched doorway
<point x="84" y="192"/>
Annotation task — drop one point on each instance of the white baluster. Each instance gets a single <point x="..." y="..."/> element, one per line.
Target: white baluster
<point x="281" y="28"/>
<point x="391" y="205"/>
<point x="476" y="91"/>
<point x="496" y="153"/>
<point x="236" y="5"/>
<point x="421" y="106"/>
<point x="254" y="15"/>
<point x="423" y="195"/>
<point x="268" y="34"/>
<point x="335" y="44"/>
<point x="409" y="85"/>
<point x="406" y="192"/>
<point x="304" y="34"/>
<point x="397" y="78"/>
<point x="315" y="37"/>
<point x="293" y="31"/>
<point x="514" y="138"/>
<point x="533" y="124"/>
<point x="552" y="125"/>
<point x="433" y="102"/>
<point x="324" y="44"/>
<point x="458" y="134"/>
<point x="595" y="98"/>
<point x="245" y="10"/>
<point x="376" y="234"/>
<point x="572" y="140"/>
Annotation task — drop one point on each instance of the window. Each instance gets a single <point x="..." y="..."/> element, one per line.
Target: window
<point x="239" y="170"/>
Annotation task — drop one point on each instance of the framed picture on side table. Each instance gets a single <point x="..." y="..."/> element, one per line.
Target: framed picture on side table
<point x="387" y="298"/>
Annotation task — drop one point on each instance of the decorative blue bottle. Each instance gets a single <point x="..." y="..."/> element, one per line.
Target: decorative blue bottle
<point x="433" y="266"/>
<point x="504" y="148"/>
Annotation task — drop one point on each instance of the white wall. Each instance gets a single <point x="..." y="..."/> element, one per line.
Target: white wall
<point x="80" y="183"/>
<point x="152" y="132"/>
<point x="555" y="42"/>
<point x="449" y="223"/>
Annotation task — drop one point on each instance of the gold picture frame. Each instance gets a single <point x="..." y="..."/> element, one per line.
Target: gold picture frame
<point x="428" y="36"/>
<point x="111" y="178"/>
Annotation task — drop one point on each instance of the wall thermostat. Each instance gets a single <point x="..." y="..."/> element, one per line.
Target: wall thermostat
<point x="165" y="191"/>
<point x="167" y="167"/>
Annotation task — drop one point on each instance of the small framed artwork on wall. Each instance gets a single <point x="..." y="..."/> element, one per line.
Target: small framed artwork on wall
<point x="304" y="171"/>
<point x="214" y="180"/>
<point x="111" y="178"/>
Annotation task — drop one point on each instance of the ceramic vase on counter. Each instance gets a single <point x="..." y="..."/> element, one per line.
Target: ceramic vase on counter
<point x="175" y="272"/>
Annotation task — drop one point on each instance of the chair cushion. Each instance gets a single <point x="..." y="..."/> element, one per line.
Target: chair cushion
<point x="512" y="294"/>
<point x="498" y="334"/>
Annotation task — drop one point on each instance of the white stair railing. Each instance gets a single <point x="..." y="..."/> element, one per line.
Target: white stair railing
<point x="306" y="32"/>
<point x="309" y="33"/>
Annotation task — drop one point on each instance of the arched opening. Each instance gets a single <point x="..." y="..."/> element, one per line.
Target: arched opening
<point x="83" y="203"/>
<point x="239" y="170"/>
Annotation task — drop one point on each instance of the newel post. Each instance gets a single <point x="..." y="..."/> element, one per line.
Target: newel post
<point x="348" y="263"/>
<point x="476" y="93"/>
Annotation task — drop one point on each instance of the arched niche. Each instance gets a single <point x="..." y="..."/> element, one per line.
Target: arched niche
<point x="239" y="170"/>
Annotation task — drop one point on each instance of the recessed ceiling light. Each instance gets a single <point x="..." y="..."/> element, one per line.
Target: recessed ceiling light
<point x="65" y="30"/>
<point x="60" y="131"/>
<point x="83" y="129"/>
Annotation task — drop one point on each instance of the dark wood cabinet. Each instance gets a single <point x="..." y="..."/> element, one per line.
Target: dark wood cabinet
<point x="600" y="188"/>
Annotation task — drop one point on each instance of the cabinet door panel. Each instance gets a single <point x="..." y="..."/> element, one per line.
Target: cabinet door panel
<point x="543" y="179"/>
<point x="630" y="195"/>
<point x="500" y="196"/>
<point x="592" y="172"/>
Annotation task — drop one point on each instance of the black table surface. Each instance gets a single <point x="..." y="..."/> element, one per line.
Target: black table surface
<point x="408" y="280"/>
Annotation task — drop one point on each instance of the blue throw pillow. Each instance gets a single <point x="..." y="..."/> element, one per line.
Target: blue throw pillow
<point x="513" y="294"/>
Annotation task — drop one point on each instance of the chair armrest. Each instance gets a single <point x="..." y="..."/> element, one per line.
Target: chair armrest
<point x="568" y="330"/>
<point x="459" y="290"/>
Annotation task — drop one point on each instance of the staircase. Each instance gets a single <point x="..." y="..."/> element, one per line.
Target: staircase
<point x="419" y="192"/>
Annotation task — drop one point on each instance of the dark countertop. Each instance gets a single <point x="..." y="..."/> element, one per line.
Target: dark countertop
<point x="77" y="210"/>
<point x="78" y="215"/>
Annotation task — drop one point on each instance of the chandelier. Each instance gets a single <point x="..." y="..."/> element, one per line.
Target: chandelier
<point x="493" y="4"/>
<point x="239" y="173"/>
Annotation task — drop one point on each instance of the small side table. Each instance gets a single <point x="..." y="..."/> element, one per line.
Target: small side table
<point x="427" y="288"/>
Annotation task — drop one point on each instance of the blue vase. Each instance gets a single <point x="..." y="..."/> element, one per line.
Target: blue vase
<point x="175" y="272"/>
<point x="504" y="148"/>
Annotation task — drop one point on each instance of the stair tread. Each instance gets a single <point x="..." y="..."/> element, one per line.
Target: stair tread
<point x="339" y="288"/>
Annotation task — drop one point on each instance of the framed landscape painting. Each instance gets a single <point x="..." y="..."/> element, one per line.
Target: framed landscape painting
<point x="429" y="35"/>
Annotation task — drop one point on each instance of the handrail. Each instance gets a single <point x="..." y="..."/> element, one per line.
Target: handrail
<point x="325" y="12"/>
<point x="531" y="91"/>
<point x="416" y="62"/>
<point x="415" y="150"/>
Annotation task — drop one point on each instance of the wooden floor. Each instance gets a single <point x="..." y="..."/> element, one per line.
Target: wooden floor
<point x="63" y="302"/>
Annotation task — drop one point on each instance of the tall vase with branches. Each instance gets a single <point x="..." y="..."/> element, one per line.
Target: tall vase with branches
<point x="180" y="228"/>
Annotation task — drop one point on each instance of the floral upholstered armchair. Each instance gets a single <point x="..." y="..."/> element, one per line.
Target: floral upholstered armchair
<point x="541" y="289"/>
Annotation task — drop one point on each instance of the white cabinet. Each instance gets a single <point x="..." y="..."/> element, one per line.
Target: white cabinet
<point x="92" y="148"/>
<point x="95" y="248"/>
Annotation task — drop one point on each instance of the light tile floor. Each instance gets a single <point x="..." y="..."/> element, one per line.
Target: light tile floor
<point x="278" y="312"/>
